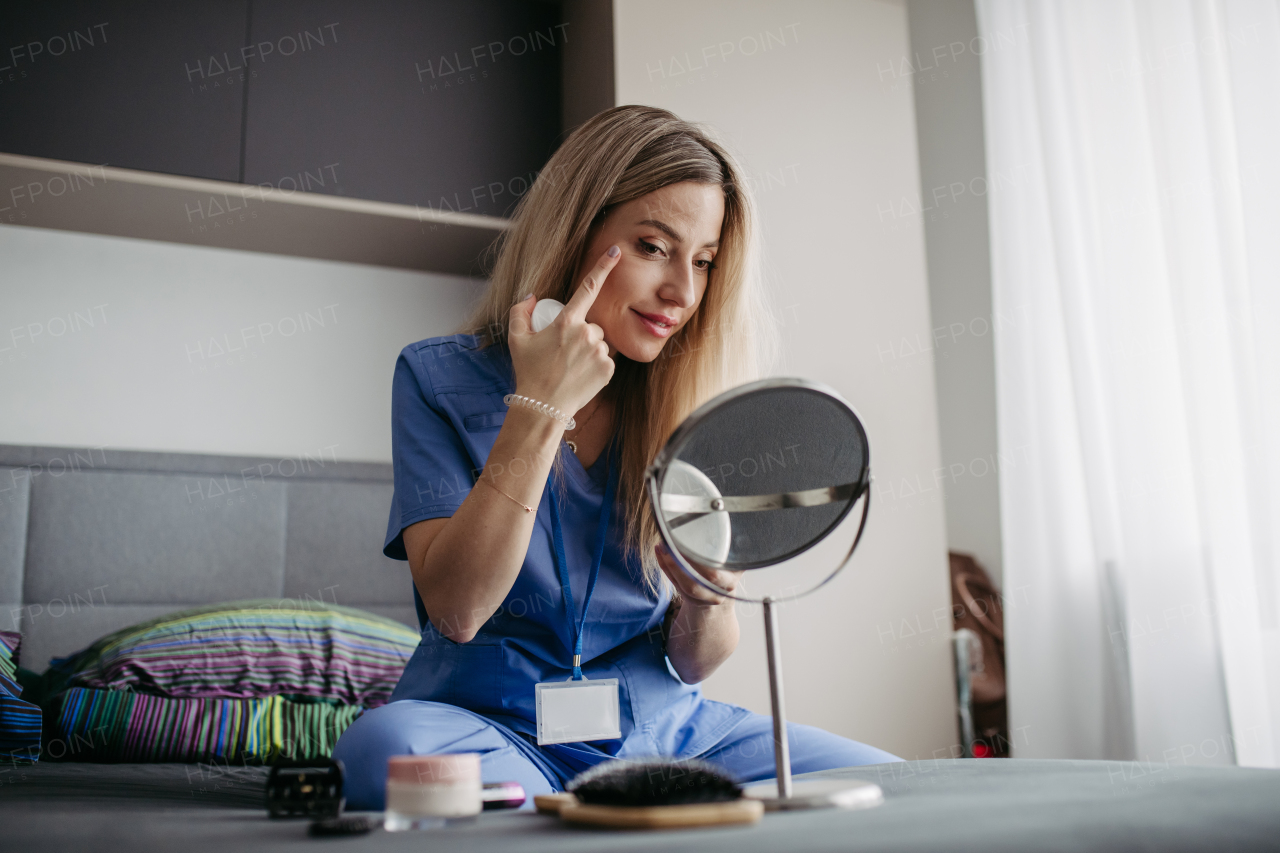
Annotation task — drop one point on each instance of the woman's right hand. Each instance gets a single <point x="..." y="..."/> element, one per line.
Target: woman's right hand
<point x="567" y="363"/>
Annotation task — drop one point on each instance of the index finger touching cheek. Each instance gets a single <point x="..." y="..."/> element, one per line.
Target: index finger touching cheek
<point x="587" y="292"/>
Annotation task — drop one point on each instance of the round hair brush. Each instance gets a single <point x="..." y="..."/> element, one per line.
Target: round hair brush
<point x="654" y="794"/>
<point x="653" y="783"/>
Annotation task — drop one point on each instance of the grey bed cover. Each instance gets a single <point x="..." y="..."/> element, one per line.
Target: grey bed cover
<point x="946" y="805"/>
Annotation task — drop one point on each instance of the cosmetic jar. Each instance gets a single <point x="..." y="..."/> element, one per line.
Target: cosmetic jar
<point x="424" y="791"/>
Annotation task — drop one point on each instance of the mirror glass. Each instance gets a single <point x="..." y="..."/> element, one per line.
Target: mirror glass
<point x="759" y="476"/>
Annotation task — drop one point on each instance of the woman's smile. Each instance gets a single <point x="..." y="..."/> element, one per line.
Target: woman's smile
<point x="656" y="324"/>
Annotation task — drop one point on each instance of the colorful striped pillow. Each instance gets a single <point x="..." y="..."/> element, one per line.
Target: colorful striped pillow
<point x="115" y="725"/>
<point x="243" y="681"/>
<point x="19" y="721"/>
<point x="248" y="650"/>
<point x="10" y="643"/>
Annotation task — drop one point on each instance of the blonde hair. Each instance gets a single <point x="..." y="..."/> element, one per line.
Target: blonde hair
<point x="619" y="155"/>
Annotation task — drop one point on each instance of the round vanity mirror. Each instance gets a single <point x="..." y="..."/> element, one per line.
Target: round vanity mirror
<point x="757" y="477"/>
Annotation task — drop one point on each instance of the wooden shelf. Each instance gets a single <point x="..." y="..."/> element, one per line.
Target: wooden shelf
<point x="128" y="203"/>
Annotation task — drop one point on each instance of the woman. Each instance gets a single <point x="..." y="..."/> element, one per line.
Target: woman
<point x="642" y="225"/>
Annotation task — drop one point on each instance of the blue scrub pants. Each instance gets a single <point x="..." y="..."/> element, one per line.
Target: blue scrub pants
<point x="417" y="727"/>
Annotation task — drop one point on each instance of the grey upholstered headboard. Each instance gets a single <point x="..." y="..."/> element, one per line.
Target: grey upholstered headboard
<point x="94" y="539"/>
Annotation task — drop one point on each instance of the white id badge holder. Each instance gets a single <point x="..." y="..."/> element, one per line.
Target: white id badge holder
<point x="572" y="711"/>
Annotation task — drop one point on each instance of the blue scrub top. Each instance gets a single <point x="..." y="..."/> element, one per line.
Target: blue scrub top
<point x="446" y="412"/>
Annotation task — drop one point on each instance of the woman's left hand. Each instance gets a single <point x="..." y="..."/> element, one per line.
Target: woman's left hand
<point x="690" y="590"/>
<point x="705" y="629"/>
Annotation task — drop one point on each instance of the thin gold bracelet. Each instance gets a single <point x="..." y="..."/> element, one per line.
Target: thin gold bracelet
<point x="508" y="497"/>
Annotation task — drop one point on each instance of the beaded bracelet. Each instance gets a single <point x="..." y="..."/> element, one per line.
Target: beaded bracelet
<point x="545" y="408"/>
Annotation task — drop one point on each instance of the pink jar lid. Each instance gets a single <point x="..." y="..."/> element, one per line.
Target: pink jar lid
<point x="460" y="767"/>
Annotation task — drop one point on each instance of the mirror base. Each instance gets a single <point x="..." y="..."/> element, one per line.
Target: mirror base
<point x="818" y="794"/>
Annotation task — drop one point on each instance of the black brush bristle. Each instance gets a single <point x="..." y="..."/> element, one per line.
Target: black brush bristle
<point x="653" y="783"/>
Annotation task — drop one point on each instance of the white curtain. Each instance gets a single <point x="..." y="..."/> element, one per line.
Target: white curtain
<point x="1133" y="151"/>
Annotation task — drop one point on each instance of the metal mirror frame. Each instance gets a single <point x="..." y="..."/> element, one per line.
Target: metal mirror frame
<point x="656" y="474"/>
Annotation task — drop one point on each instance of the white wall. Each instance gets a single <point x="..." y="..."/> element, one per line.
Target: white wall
<point x="128" y="344"/>
<point x="829" y="143"/>
<point x="946" y="76"/>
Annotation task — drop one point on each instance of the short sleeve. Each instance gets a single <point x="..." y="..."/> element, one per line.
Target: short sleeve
<point x="431" y="466"/>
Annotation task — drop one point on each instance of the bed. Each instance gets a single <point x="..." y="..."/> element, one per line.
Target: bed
<point x="92" y="540"/>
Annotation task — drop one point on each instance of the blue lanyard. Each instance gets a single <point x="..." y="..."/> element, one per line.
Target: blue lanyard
<point x="562" y="565"/>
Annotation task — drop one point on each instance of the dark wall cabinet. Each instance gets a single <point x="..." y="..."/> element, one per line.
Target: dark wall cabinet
<point x="445" y="105"/>
<point x="107" y="83"/>
<point x="450" y="105"/>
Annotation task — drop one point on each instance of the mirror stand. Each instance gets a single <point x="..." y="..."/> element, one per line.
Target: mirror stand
<point x="781" y="751"/>
<point x="809" y="793"/>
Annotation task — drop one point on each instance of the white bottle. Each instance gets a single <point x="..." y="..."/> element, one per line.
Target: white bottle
<point x="545" y="312"/>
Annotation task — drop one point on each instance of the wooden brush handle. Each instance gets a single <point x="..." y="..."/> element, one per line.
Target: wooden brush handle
<point x="664" y="817"/>
<point x="553" y="803"/>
